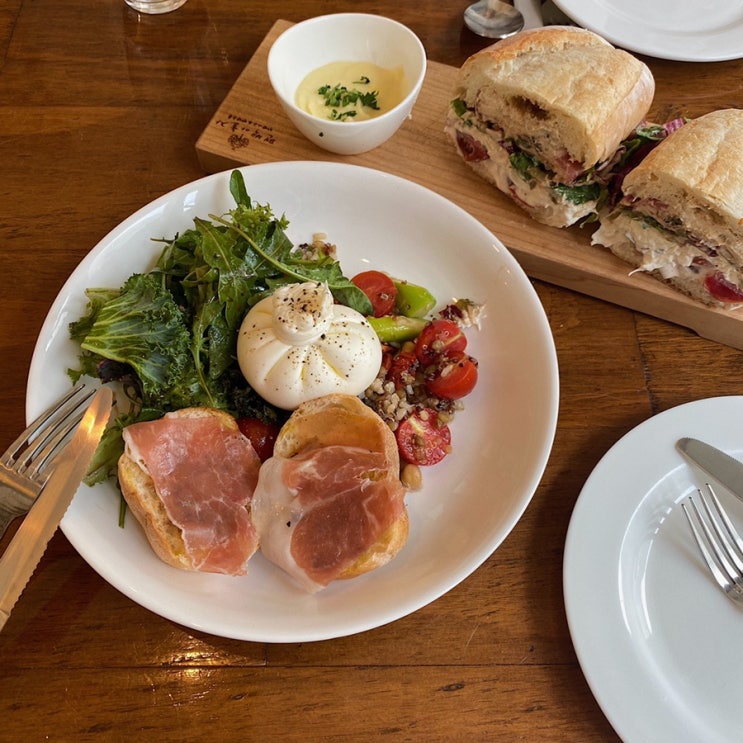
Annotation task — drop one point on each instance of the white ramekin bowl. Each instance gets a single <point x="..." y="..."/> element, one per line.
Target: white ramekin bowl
<point x="347" y="37"/>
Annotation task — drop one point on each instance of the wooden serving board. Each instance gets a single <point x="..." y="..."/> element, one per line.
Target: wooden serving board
<point x="250" y="128"/>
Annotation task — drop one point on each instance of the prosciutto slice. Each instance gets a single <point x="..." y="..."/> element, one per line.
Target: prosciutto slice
<point x="205" y="475"/>
<point x="321" y="510"/>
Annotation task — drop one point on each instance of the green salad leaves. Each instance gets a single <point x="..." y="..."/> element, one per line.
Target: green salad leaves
<point x="528" y="167"/>
<point x="169" y="336"/>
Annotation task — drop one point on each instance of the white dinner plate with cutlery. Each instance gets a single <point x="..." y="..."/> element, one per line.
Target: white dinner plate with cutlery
<point x="700" y="31"/>
<point x="658" y="641"/>
<point x="469" y="502"/>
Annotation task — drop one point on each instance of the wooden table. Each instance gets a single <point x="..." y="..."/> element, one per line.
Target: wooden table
<point x="100" y="110"/>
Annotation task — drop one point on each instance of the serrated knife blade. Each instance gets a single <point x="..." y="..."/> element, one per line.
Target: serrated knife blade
<point x="727" y="470"/>
<point x="29" y="543"/>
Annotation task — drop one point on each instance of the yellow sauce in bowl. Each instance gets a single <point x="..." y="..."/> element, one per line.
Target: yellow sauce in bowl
<point x="351" y="91"/>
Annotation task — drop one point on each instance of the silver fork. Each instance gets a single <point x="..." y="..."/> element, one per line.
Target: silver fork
<point x="24" y="467"/>
<point x="719" y="543"/>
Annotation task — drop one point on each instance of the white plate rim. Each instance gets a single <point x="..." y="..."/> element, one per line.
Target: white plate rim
<point x="687" y="44"/>
<point x="637" y="463"/>
<point x="182" y="201"/>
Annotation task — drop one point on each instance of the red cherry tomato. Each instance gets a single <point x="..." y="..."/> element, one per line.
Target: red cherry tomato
<point x="422" y="440"/>
<point x="260" y="434"/>
<point x="380" y="289"/>
<point x="455" y="377"/>
<point x="402" y="369"/>
<point x="439" y="338"/>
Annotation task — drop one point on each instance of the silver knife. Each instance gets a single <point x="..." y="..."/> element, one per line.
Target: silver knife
<point x="721" y="466"/>
<point x="29" y="543"/>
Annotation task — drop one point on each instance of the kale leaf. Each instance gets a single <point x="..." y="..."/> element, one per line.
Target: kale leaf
<point x="140" y="326"/>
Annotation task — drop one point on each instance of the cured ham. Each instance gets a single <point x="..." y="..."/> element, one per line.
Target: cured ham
<point x="319" y="511"/>
<point x="204" y="473"/>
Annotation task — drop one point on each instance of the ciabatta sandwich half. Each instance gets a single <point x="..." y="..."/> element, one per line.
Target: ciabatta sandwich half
<point x="538" y="113"/>
<point x="681" y="215"/>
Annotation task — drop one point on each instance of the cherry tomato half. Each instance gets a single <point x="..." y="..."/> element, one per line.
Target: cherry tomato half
<point x="422" y="440"/>
<point x="380" y="289"/>
<point x="402" y="369"/>
<point x="439" y="338"/>
<point x="260" y="434"/>
<point x="454" y="378"/>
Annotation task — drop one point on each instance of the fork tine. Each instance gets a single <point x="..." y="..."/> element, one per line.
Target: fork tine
<point x="736" y="553"/>
<point x="723" y="556"/>
<point x="717" y="539"/>
<point x="38" y="459"/>
<point x="721" y="578"/>
<point x="38" y="434"/>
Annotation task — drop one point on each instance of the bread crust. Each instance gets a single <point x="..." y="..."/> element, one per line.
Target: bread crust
<point x="344" y="420"/>
<point x="380" y="553"/>
<point x="145" y="505"/>
<point x="147" y="508"/>
<point x="336" y="419"/>
<point x="561" y="83"/>
<point x="698" y="172"/>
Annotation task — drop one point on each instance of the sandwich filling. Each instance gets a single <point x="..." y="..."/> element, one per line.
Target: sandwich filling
<point x="560" y="195"/>
<point x="638" y="233"/>
<point x="512" y="165"/>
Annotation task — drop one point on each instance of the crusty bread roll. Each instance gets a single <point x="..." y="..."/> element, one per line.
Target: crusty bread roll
<point x="344" y="420"/>
<point x="146" y="504"/>
<point x="681" y="215"/>
<point x="564" y="87"/>
<point x="561" y="95"/>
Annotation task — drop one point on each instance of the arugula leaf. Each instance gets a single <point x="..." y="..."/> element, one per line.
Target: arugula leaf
<point x="232" y="282"/>
<point x="238" y="190"/>
<point x="291" y="269"/>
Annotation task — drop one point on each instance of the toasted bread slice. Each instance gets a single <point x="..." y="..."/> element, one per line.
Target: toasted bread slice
<point x="344" y="420"/>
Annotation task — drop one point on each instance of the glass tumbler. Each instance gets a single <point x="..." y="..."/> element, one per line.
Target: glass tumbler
<point x="152" y="7"/>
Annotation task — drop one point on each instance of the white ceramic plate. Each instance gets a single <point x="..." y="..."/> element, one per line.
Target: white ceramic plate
<point x="470" y="501"/>
<point x="699" y="31"/>
<point x="658" y="641"/>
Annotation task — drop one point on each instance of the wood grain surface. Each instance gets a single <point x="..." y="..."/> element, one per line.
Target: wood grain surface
<point x="100" y="113"/>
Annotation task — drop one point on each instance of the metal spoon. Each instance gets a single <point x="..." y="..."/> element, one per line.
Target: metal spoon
<point x="493" y="19"/>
